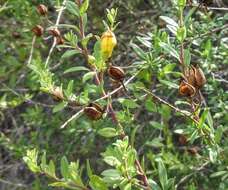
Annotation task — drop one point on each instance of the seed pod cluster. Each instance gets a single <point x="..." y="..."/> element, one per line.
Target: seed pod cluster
<point x="94" y="111"/>
<point x="194" y="80"/>
<point x="38" y="30"/>
<point x="108" y="42"/>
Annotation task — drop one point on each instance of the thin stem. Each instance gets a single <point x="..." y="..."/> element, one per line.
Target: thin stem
<point x="170" y="105"/>
<point x="56" y="24"/>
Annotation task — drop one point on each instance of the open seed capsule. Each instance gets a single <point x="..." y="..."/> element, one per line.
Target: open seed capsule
<point x="199" y="77"/>
<point x="185" y="89"/>
<point x="42" y="9"/>
<point x="55" y="32"/>
<point x="116" y="73"/>
<point x="38" y="30"/>
<point x="94" y="111"/>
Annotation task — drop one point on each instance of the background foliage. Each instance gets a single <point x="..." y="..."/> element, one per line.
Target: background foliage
<point x="173" y="151"/>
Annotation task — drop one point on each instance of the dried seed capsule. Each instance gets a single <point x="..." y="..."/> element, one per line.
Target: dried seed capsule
<point x="108" y="42"/>
<point x="38" y="30"/>
<point x="59" y="40"/>
<point x="199" y="77"/>
<point x="55" y="32"/>
<point x="186" y="89"/>
<point x="116" y="73"/>
<point x="93" y="111"/>
<point x="57" y="94"/>
<point x="42" y="9"/>
<point x="190" y="76"/>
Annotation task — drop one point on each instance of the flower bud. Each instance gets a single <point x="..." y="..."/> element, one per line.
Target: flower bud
<point x="42" y="9"/>
<point x="38" y="30"/>
<point x="54" y="32"/>
<point x="93" y="111"/>
<point x="57" y="94"/>
<point x="186" y="89"/>
<point x="91" y="59"/>
<point x="108" y="42"/>
<point x="116" y="73"/>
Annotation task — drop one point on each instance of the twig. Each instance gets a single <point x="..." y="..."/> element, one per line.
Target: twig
<point x="170" y="105"/>
<point x="209" y="8"/>
<point x="12" y="183"/>
<point x="102" y="98"/>
<point x="72" y="118"/>
<point x="32" y="50"/>
<point x="185" y="178"/>
<point x="56" y="23"/>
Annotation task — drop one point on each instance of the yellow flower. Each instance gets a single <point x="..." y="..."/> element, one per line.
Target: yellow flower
<point x="108" y="42"/>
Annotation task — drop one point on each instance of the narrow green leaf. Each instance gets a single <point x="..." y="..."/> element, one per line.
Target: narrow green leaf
<point x="108" y="132"/>
<point x="64" y="168"/>
<point x="74" y="69"/>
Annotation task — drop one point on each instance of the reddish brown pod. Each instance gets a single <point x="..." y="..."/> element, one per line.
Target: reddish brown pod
<point x="55" y="32"/>
<point x="38" y="30"/>
<point x="116" y="73"/>
<point x="94" y="111"/>
<point x="59" y="40"/>
<point x="185" y="89"/>
<point x="42" y="9"/>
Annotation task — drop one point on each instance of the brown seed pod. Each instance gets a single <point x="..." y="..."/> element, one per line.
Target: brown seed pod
<point x="199" y="77"/>
<point x="59" y="40"/>
<point x="116" y="73"/>
<point x="193" y="150"/>
<point x="16" y="35"/>
<point x="94" y="111"/>
<point x="185" y="89"/>
<point x="42" y="9"/>
<point x="57" y="94"/>
<point x="182" y="139"/>
<point x="38" y="30"/>
<point x="55" y="32"/>
<point x="190" y="76"/>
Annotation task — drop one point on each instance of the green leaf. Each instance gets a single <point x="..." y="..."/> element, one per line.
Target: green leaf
<point x="181" y="34"/>
<point x="64" y="168"/>
<point x="69" y="89"/>
<point x="187" y="57"/>
<point x="88" y="76"/>
<point x="51" y="169"/>
<point x="157" y="125"/>
<point x="84" y="7"/>
<point x="170" y="84"/>
<point x="169" y="49"/>
<point x="74" y="69"/>
<point x="169" y="21"/>
<point x="139" y="51"/>
<point x="72" y="8"/>
<point x="69" y="53"/>
<point x="218" y="174"/>
<point x="89" y="170"/>
<point x="97" y="183"/>
<point x="59" y="107"/>
<point x="112" y="173"/>
<point x="128" y="103"/>
<point x="108" y="132"/>
<point x="162" y="174"/>
<point x="58" y="184"/>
